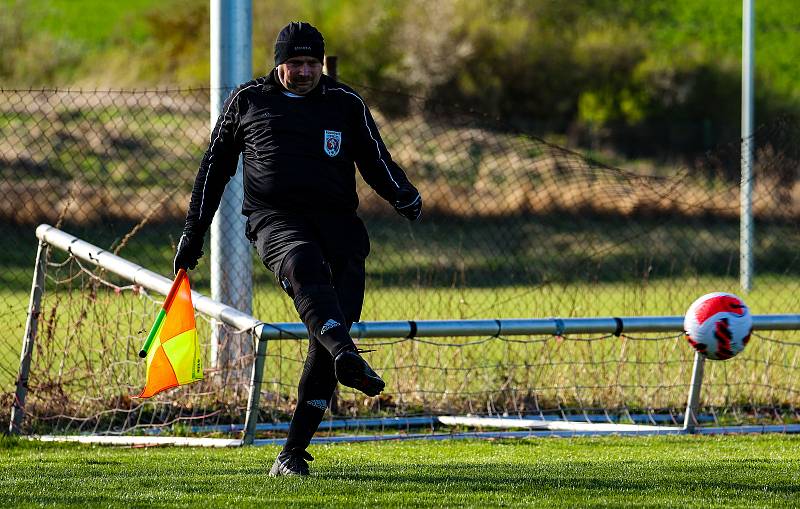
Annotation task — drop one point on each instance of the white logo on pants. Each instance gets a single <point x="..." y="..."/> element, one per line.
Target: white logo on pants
<point x="318" y="403"/>
<point x="330" y="324"/>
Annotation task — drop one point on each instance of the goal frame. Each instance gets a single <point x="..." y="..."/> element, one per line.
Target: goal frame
<point x="264" y="332"/>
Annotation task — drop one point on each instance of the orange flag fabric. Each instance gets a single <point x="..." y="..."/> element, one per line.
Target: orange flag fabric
<point x="172" y="350"/>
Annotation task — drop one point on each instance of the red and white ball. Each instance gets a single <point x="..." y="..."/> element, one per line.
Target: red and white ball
<point x="718" y="325"/>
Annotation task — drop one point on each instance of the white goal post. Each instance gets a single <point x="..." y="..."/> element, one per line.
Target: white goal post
<point x="265" y="332"/>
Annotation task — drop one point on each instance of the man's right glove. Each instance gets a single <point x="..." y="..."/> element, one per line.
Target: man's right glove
<point x="189" y="250"/>
<point x="409" y="203"/>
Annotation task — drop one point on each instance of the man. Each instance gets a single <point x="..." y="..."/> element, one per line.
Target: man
<point x="301" y="133"/>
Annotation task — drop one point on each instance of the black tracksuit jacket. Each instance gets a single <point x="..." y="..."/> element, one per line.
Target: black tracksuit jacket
<point x="299" y="154"/>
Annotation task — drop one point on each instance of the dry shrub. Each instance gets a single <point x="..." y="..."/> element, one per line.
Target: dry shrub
<point x="475" y="172"/>
<point x="460" y="171"/>
<point x="44" y="201"/>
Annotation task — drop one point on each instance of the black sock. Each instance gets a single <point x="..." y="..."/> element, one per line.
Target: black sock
<point x="314" y="393"/>
<point x="305" y="421"/>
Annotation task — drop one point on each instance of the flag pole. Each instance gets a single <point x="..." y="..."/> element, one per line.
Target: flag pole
<point x="162" y="313"/>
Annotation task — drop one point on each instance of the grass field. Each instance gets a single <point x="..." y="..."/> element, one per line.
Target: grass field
<point x="725" y="471"/>
<point x="666" y="297"/>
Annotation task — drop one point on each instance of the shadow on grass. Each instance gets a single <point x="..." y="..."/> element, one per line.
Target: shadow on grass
<point x="627" y="477"/>
<point x="479" y="252"/>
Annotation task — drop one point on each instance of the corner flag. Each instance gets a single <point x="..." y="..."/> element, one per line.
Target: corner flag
<point x="171" y="348"/>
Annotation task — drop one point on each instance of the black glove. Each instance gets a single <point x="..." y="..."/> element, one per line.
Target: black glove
<point x="189" y="250"/>
<point x="409" y="203"/>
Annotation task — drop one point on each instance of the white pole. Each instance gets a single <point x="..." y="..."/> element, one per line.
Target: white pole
<point x="693" y="402"/>
<point x="746" y="188"/>
<point x="231" y="261"/>
<point x="138" y="275"/>
<point x="28" y="340"/>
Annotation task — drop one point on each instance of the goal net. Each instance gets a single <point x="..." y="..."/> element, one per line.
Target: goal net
<point x="84" y="367"/>
<point x="446" y="378"/>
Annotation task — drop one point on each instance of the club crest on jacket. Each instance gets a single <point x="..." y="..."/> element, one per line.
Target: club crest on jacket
<point x="333" y="142"/>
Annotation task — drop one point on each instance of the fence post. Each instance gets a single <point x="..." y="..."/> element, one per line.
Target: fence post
<point x="231" y="253"/>
<point x="251" y="419"/>
<point x="331" y="67"/>
<point x="690" y="418"/>
<point x="31" y="326"/>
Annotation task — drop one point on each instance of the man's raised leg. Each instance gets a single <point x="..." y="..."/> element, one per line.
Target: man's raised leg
<point x="307" y="278"/>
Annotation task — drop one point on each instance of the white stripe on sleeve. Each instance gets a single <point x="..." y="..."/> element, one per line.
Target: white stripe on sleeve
<point x="366" y="123"/>
<point x="211" y="149"/>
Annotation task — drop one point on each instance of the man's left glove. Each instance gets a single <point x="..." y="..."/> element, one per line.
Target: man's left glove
<point x="189" y="250"/>
<point x="409" y="203"/>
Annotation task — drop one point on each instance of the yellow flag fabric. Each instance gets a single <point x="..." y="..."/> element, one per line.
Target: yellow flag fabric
<point x="172" y="349"/>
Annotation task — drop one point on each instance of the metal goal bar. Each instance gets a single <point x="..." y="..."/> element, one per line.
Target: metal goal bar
<point x="51" y="236"/>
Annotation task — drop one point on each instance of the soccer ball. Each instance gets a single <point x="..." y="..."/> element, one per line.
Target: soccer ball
<point x="718" y="325"/>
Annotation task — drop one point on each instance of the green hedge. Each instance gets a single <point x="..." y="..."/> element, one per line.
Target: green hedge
<point x="655" y="78"/>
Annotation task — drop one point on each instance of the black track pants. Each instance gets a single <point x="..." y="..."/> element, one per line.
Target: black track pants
<point x="344" y="245"/>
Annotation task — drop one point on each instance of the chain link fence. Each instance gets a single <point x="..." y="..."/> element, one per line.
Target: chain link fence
<point x="513" y="226"/>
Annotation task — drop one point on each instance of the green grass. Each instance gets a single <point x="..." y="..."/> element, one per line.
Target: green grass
<point x="728" y="471"/>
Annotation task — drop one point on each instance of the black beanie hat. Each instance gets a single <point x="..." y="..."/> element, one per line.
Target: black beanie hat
<point x="299" y="39"/>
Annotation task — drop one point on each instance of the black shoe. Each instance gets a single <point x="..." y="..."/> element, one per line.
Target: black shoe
<point x="291" y="463"/>
<point x="353" y="371"/>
